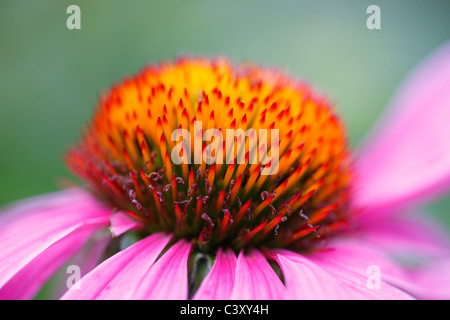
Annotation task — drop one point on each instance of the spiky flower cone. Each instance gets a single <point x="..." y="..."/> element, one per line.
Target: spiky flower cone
<point x="126" y="155"/>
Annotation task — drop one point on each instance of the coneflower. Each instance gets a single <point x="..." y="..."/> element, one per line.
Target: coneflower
<point x="276" y="210"/>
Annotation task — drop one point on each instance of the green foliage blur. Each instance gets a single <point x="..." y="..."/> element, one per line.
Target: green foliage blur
<point x="51" y="77"/>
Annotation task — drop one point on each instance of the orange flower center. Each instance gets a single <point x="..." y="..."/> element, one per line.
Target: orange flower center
<point x="148" y="153"/>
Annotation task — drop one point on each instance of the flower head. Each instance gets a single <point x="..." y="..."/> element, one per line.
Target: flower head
<point x="126" y="155"/>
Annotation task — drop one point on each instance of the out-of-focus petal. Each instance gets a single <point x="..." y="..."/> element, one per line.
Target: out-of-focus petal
<point x="365" y="262"/>
<point x="121" y="223"/>
<point x="306" y="280"/>
<point x="119" y="276"/>
<point x="32" y="276"/>
<point x="418" y="244"/>
<point x="432" y="281"/>
<point x="86" y="259"/>
<point x="362" y="286"/>
<point x="256" y="279"/>
<point x="218" y="284"/>
<point x="407" y="157"/>
<point x="38" y="235"/>
<point x="409" y="235"/>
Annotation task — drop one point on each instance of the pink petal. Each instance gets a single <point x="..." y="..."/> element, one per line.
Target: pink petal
<point x="39" y="234"/>
<point x="415" y="239"/>
<point x="408" y="157"/>
<point x="411" y="235"/>
<point x="122" y="222"/>
<point x="28" y="280"/>
<point x="255" y="279"/>
<point x="92" y="253"/>
<point x="168" y="277"/>
<point x="218" y="284"/>
<point x="357" y="283"/>
<point x="119" y="276"/>
<point x="432" y="281"/>
<point x="357" y="258"/>
<point x="87" y="258"/>
<point x="306" y="280"/>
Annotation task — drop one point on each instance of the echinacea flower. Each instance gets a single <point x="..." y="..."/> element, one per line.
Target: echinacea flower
<point x="315" y="227"/>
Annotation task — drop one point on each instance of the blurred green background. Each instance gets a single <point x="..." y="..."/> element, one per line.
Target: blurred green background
<point x="51" y="77"/>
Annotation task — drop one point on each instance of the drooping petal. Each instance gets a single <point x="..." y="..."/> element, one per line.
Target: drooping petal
<point x="38" y="235"/>
<point x="256" y="279"/>
<point x="407" y="157"/>
<point x="219" y="283"/>
<point x="119" y="276"/>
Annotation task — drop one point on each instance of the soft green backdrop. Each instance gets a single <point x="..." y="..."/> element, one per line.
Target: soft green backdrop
<point x="50" y="77"/>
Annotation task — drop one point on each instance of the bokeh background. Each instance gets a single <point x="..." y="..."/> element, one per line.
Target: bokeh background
<point x="51" y="77"/>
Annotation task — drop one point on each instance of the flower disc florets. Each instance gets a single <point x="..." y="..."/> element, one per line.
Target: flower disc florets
<point x="134" y="154"/>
